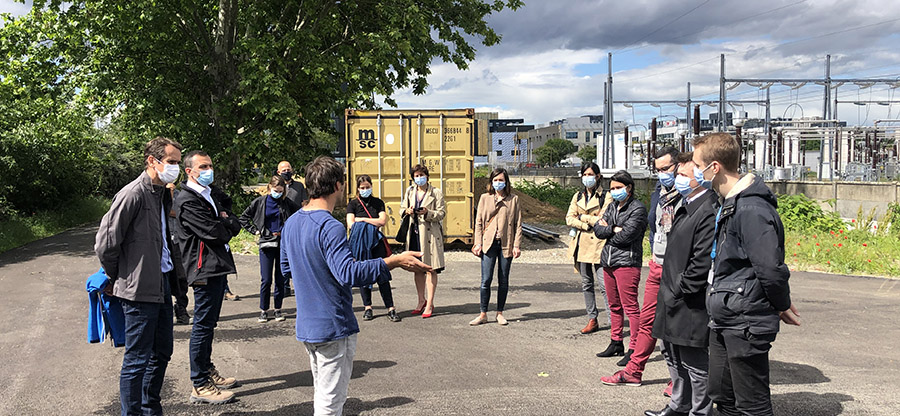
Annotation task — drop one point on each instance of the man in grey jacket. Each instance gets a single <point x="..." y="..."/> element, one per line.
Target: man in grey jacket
<point x="134" y="246"/>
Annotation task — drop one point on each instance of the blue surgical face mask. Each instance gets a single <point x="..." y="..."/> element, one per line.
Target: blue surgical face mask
<point x="421" y="180"/>
<point x="589" y="181"/>
<point x="683" y="185"/>
<point x="365" y="193"/>
<point x="205" y="177"/>
<point x="619" y="194"/>
<point x="698" y="175"/>
<point x="276" y="195"/>
<point x="498" y="185"/>
<point x="667" y="179"/>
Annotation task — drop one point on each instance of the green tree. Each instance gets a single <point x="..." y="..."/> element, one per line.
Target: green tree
<point x="46" y="146"/>
<point x="553" y="151"/>
<point x="587" y="153"/>
<point x="251" y="83"/>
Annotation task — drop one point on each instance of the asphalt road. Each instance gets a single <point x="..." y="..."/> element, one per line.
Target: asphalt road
<point x="844" y="360"/>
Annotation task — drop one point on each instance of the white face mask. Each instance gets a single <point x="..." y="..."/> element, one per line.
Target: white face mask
<point x="169" y="173"/>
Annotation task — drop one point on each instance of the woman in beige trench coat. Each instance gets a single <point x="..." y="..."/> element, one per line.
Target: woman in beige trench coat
<point x="586" y="208"/>
<point x="426" y="234"/>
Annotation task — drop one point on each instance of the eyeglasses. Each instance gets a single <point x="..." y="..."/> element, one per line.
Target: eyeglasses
<point x="664" y="169"/>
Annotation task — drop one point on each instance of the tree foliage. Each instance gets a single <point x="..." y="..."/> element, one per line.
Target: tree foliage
<point x="45" y="151"/>
<point x="587" y="153"/>
<point x="251" y="83"/>
<point x="554" y="151"/>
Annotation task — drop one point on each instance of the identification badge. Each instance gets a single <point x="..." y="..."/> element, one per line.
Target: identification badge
<point x="712" y="272"/>
<point x="665" y="223"/>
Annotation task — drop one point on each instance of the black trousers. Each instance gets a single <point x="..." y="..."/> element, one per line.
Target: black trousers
<point x="739" y="372"/>
<point x="384" y="288"/>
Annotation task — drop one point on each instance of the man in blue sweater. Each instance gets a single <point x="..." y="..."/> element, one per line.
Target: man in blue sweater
<point x="315" y="252"/>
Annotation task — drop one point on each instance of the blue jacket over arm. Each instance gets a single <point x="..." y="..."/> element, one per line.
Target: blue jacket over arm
<point x="105" y="312"/>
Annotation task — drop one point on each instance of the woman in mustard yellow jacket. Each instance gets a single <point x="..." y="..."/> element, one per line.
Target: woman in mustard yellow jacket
<point x="586" y="208"/>
<point x="498" y="233"/>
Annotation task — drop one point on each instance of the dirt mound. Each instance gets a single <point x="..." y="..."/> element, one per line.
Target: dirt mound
<point x="533" y="210"/>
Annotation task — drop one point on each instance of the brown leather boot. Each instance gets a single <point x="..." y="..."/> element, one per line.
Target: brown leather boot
<point x="591" y="327"/>
<point x="209" y="393"/>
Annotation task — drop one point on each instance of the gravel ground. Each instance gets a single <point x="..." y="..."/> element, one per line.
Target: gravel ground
<point x="533" y="251"/>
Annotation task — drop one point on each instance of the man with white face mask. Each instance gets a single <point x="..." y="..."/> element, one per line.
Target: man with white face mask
<point x="133" y="244"/>
<point x="203" y="229"/>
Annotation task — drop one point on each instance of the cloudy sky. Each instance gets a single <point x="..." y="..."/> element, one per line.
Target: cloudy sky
<point x="552" y="61"/>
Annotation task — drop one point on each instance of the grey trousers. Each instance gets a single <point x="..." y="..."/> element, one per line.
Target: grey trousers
<point x="331" y="364"/>
<point x="689" y="369"/>
<point x="591" y="278"/>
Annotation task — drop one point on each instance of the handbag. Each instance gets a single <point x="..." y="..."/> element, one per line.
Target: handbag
<point x="387" y="246"/>
<point x="403" y="230"/>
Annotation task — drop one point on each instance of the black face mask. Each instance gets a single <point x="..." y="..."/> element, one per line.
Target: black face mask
<point x="287" y="175"/>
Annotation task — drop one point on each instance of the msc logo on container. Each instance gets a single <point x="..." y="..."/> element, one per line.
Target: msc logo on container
<point x="366" y="139"/>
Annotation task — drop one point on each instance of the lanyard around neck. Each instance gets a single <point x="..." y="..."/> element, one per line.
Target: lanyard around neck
<point x="716" y="236"/>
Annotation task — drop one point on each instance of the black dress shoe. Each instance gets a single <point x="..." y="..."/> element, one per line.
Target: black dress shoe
<point x="624" y="361"/>
<point x="367" y="315"/>
<point x="392" y="315"/>
<point x="666" y="411"/>
<point x="613" y="349"/>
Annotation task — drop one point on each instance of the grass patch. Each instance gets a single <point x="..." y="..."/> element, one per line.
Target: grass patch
<point x="19" y="230"/>
<point x="844" y="251"/>
<point x="244" y="243"/>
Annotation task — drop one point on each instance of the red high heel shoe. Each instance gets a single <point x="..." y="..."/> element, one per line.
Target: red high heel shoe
<point x="420" y="308"/>
<point x="428" y="315"/>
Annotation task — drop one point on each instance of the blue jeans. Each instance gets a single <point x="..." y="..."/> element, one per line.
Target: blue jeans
<point x="269" y="259"/>
<point x="148" y="348"/>
<point x="488" y="259"/>
<point x="207" y="306"/>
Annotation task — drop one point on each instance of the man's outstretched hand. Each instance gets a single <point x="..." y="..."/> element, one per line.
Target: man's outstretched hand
<point x="409" y="261"/>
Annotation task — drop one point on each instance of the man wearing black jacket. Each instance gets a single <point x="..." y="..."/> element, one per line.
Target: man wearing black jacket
<point x="204" y="228"/>
<point x="681" y="319"/>
<point x="748" y="286"/>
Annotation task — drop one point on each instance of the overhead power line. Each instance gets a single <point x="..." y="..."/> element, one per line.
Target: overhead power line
<point x="670" y="70"/>
<point x="729" y="24"/>
<point x="775" y="46"/>
<point x="665" y="25"/>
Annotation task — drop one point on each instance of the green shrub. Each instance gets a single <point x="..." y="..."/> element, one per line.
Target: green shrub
<point x="799" y="212"/>
<point x="890" y="222"/>
<point x="119" y="161"/>
<point x="549" y="192"/>
<point x="482" y="172"/>
<point x="44" y="167"/>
